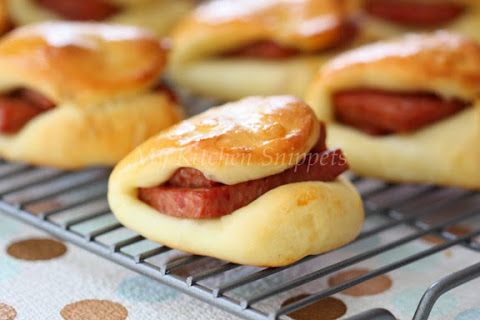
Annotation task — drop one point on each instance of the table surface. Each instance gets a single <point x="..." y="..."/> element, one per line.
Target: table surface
<point x="43" y="278"/>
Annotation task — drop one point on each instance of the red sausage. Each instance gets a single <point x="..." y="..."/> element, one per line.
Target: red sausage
<point x="192" y="178"/>
<point x="264" y="50"/>
<point x="34" y="98"/>
<point x="81" y="10"/>
<point x="20" y="106"/>
<point x="220" y="200"/>
<point x="414" y="12"/>
<point x="271" y="50"/>
<point x="14" y="113"/>
<point x="167" y="90"/>
<point x="381" y="112"/>
<point x="321" y="144"/>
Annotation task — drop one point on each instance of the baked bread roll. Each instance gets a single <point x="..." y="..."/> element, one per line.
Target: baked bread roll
<point x="159" y="16"/>
<point x="381" y="19"/>
<point x="4" y="18"/>
<point x="406" y="110"/>
<point x="250" y="157"/>
<point x="229" y="49"/>
<point x="74" y="95"/>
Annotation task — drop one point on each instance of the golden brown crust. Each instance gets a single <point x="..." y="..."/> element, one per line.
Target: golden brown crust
<point x="245" y="140"/>
<point x="437" y="55"/>
<point x="219" y="26"/>
<point x="100" y="78"/>
<point x="442" y="63"/>
<point x="277" y="229"/>
<point x="68" y="137"/>
<point x="159" y="16"/>
<point x="4" y="17"/>
<point x="214" y="28"/>
<point x="86" y="62"/>
<point x="446" y="153"/>
<point x="373" y="28"/>
<point x="281" y="226"/>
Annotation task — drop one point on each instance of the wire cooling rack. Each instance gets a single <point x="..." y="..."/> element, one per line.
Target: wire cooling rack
<point x="73" y="206"/>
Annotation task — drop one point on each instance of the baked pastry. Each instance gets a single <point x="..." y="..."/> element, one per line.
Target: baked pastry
<point x="157" y="15"/>
<point x="229" y="49"/>
<point x="406" y="110"/>
<point x="383" y="19"/>
<point x="4" y="18"/>
<point x="74" y="94"/>
<point x="250" y="182"/>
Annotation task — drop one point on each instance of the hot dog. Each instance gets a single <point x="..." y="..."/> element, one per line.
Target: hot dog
<point x="192" y="178"/>
<point x="81" y="10"/>
<point x="14" y="114"/>
<point x="264" y="50"/>
<point x="167" y="90"/>
<point x="34" y="98"/>
<point x="382" y="112"/>
<point x="19" y="107"/>
<point x="415" y="13"/>
<point x="219" y="200"/>
<point x="271" y="50"/>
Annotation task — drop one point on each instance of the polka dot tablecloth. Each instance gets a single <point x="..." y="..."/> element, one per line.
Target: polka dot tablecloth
<point x="44" y="278"/>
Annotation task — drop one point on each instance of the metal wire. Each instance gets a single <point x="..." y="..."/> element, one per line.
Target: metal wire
<point x="73" y="206"/>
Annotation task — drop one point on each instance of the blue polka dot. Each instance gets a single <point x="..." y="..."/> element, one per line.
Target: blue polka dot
<point x="143" y="289"/>
<point x="407" y="301"/>
<point x="471" y="314"/>
<point x="8" y="227"/>
<point x="8" y="268"/>
<point x="258" y="286"/>
<point x="365" y="244"/>
<point x="422" y="265"/>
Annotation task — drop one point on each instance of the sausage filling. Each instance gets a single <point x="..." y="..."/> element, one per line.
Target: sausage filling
<point x="162" y="87"/>
<point x="189" y="194"/>
<point x="19" y="106"/>
<point x="415" y="13"/>
<point x="80" y="10"/>
<point x="271" y="50"/>
<point x="380" y="112"/>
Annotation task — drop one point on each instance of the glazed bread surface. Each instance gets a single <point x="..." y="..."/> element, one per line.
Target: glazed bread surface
<point x="100" y="78"/>
<point x="446" y="152"/>
<point x="222" y="25"/>
<point x="240" y="139"/>
<point x="374" y="28"/>
<point x="217" y="27"/>
<point x="159" y="16"/>
<point x="4" y="17"/>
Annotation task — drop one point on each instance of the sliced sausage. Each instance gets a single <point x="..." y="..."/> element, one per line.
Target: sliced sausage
<point x="267" y="49"/>
<point x="80" y="10"/>
<point x="321" y="144"/>
<point x="192" y="178"/>
<point x="415" y="13"/>
<point x="381" y="112"/>
<point x="34" y="98"/>
<point x="346" y="36"/>
<point x="167" y="90"/>
<point x="15" y="113"/>
<point x="20" y="106"/>
<point x="271" y="50"/>
<point x="220" y="200"/>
